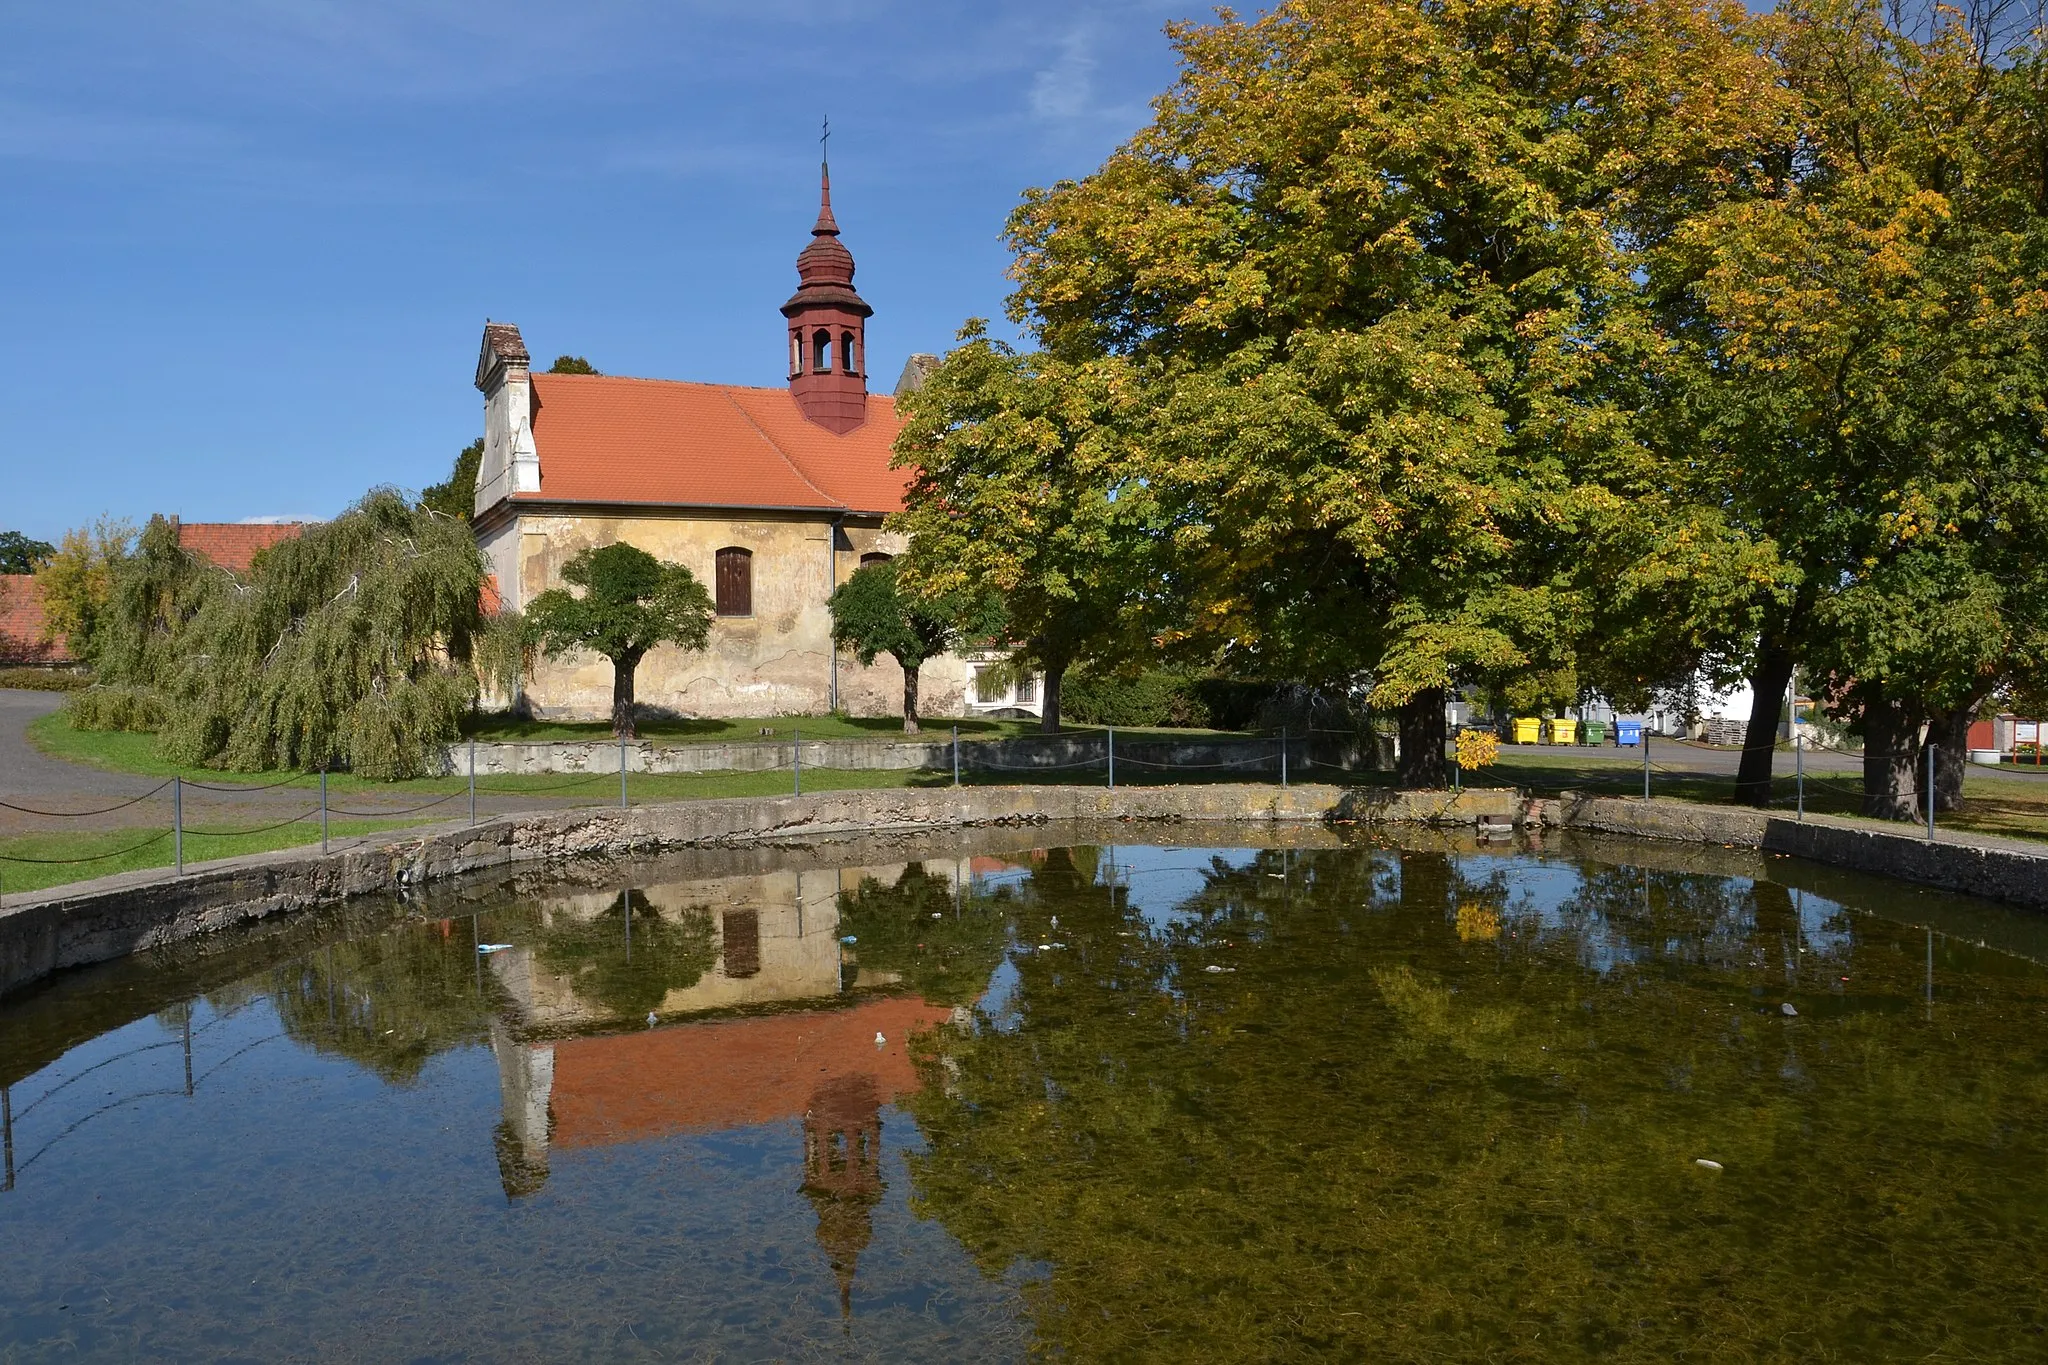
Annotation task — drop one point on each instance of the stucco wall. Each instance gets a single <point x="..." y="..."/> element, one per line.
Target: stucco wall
<point x="778" y="661"/>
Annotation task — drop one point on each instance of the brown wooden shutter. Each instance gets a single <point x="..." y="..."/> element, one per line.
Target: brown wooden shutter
<point x="735" y="586"/>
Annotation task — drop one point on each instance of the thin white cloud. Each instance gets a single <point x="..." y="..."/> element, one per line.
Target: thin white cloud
<point x="1065" y="90"/>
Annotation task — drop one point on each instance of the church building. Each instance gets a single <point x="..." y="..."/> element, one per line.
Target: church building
<point x="770" y="496"/>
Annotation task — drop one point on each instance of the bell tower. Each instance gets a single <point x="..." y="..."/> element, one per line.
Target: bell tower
<point x="827" y="327"/>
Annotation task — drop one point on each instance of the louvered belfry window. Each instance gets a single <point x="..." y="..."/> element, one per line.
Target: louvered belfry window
<point x="735" y="588"/>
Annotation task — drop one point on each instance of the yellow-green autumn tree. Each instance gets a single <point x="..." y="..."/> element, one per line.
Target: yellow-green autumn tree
<point x="1373" y="269"/>
<point x="1872" y="392"/>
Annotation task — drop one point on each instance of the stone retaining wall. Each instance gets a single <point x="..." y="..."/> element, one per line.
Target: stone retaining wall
<point x="96" y="921"/>
<point x="1218" y="755"/>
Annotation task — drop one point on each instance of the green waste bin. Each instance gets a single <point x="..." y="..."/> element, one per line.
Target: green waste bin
<point x="1596" y="732"/>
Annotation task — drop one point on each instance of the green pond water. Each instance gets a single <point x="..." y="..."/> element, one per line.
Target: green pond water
<point x="1037" y="1093"/>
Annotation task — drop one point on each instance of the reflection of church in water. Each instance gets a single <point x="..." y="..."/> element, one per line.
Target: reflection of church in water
<point x="831" y="1069"/>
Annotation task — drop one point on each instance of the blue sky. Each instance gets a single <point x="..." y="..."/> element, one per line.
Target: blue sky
<point x="250" y="245"/>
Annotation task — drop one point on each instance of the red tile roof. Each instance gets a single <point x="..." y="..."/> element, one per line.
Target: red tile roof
<point x="21" y="624"/>
<point x="606" y="439"/>
<point x="233" y="544"/>
<point x="736" y="1073"/>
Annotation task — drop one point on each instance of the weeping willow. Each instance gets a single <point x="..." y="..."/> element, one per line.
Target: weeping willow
<point x="350" y="646"/>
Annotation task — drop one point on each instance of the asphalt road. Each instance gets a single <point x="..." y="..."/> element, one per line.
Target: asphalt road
<point x="1682" y="756"/>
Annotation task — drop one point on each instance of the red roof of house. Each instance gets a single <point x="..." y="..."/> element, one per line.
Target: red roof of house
<point x="734" y="1073"/>
<point x="602" y="438"/>
<point x="21" y="624"/>
<point x="233" y="544"/>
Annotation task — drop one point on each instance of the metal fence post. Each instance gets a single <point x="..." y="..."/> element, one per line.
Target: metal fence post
<point x="323" y="811"/>
<point x="472" y="779"/>
<point x="178" y="823"/>
<point x="1111" y="730"/>
<point x="622" y="772"/>
<point x="1646" y="759"/>
<point x="956" y="755"/>
<point x="1799" y="769"/>
<point x="1283" y="755"/>
<point x="1930" y="790"/>
<point x="796" y="759"/>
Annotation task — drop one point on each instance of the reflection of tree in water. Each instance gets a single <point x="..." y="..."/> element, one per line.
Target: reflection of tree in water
<point x="389" y="1001"/>
<point x="1374" y="1139"/>
<point x="630" y="955"/>
<point x="942" y="948"/>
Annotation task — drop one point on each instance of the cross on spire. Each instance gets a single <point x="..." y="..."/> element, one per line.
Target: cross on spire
<point x="824" y="140"/>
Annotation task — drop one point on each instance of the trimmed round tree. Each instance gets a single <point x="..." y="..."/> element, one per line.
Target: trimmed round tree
<point x="630" y="603"/>
<point x="870" y="617"/>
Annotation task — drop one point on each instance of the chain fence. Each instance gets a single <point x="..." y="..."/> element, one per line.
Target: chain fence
<point x="214" y="812"/>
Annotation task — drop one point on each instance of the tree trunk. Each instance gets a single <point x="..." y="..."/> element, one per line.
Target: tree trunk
<point x="1949" y="733"/>
<point x="910" y="678"/>
<point x="1760" y="741"/>
<point x="1423" y="732"/>
<point x="1890" y="748"/>
<point x="623" y="669"/>
<point x="1049" y="704"/>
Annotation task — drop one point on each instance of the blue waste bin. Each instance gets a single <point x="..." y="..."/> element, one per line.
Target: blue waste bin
<point x="1628" y="732"/>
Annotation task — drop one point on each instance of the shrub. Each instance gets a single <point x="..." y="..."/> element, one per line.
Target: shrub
<point x="1163" y="699"/>
<point x="44" y="679"/>
<point x="116" y="706"/>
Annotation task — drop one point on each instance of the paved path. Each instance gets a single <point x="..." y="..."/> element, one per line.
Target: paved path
<point x="32" y="781"/>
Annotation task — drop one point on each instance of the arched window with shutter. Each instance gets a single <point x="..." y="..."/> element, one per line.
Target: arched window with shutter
<point x="846" y="353"/>
<point x="735" y="582"/>
<point x="874" y="557"/>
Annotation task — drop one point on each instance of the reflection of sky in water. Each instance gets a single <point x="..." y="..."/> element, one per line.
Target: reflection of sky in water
<point x="1159" y="882"/>
<point x="998" y="1004"/>
<point x="1549" y="896"/>
<point x="1823" y="923"/>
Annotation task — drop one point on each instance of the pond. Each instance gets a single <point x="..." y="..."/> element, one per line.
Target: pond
<point x="1272" y="1095"/>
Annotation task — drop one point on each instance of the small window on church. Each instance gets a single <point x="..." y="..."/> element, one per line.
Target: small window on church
<point x="846" y="353"/>
<point x="821" y="347"/>
<point x="735" y="585"/>
<point x="874" y="557"/>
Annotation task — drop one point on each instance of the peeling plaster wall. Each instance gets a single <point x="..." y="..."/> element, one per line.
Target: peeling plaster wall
<point x="778" y="661"/>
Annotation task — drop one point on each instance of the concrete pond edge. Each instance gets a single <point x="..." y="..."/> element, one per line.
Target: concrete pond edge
<point x="96" y="921"/>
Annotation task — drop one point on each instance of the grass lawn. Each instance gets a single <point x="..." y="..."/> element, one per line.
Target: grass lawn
<point x="129" y="850"/>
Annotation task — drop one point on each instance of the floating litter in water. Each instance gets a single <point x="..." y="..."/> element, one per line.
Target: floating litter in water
<point x="492" y="947"/>
<point x="1212" y="967"/>
<point x="1055" y="921"/>
<point x="1788" y="1010"/>
<point x="1708" y="1165"/>
<point x="1045" y="947"/>
<point x="849" y="939"/>
<point x="937" y="915"/>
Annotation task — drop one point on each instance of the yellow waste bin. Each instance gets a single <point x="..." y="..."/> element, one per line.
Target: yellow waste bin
<point x="1528" y="730"/>
<point x="1564" y="732"/>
